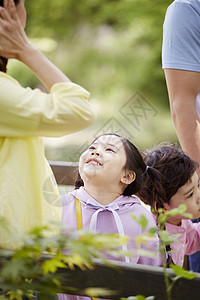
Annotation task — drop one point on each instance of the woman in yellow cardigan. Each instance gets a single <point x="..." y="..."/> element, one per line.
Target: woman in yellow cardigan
<point x="28" y="192"/>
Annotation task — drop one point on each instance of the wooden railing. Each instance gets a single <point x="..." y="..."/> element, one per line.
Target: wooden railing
<point x="64" y="172"/>
<point x="122" y="279"/>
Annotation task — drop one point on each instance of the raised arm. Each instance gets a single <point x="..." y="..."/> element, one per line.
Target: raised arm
<point x="15" y="44"/>
<point x="26" y="112"/>
<point x="183" y="88"/>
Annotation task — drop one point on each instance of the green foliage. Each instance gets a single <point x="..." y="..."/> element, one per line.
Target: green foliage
<point x="142" y="221"/>
<point x="119" y="39"/>
<point x="144" y="238"/>
<point x="113" y="49"/>
<point x="165" y="239"/>
<point x="181" y="210"/>
<point x="33" y="265"/>
<point x="139" y="297"/>
<point x="181" y="273"/>
<point x="98" y="292"/>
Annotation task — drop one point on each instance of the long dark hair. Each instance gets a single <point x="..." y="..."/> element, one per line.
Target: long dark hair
<point x="169" y="169"/>
<point x="134" y="162"/>
<point x="3" y="60"/>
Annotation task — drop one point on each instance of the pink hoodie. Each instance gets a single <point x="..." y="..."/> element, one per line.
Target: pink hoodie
<point x="188" y="242"/>
<point x="112" y="218"/>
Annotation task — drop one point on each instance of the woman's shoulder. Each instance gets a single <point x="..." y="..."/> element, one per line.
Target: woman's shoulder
<point x="5" y="76"/>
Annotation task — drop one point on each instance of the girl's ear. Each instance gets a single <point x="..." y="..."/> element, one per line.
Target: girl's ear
<point x="166" y="206"/>
<point x="128" y="177"/>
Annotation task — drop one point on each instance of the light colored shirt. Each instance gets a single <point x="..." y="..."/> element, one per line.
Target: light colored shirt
<point x="28" y="191"/>
<point x="188" y="242"/>
<point x="181" y="38"/>
<point x="112" y="218"/>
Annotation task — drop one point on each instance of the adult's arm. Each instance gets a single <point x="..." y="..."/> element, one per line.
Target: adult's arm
<point x="26" y="112"/>
<point x="183" y="88"/>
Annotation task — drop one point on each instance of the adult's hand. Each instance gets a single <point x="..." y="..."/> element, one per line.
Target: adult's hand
<point x="13" y="39"/>
<point x="15" y="44"/>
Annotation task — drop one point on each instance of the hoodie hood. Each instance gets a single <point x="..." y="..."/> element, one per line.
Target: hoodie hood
<point x="121" y="201"/>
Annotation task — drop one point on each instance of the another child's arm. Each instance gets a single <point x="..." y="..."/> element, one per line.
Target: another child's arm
<point x="188" y="242"/>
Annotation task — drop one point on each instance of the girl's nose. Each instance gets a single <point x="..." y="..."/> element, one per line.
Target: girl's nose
<point x="198" y="198"/>
<point x="95" y="153"/>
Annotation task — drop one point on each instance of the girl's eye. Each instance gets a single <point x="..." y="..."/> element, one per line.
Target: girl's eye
<point x="190" y="196"/>
<point x="110" y="149"/>
<point x="91" y="148"/>
<point x="199" y="184"/>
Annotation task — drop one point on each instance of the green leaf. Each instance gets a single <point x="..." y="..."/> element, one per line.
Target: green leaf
<point x="142" y="221"/>
<point x="99" y="292"/>
<point x="52" y="265"/>
<point x="180" y="272"/>
<point x="177" y="270"/>
<point x="188" y="215"/>
<point x="13" y="269"/>
<point x="138" y="297"/>
<point x="153" y="230"/>
<point x="162" y="219"/>
<point x="189" y="275"/>
<point x="166" y="238"/>
<point x="177" y="211"/>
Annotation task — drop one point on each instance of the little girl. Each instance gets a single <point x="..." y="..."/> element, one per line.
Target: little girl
<point x="176" y="183"/>
<point x="110" y="172"/>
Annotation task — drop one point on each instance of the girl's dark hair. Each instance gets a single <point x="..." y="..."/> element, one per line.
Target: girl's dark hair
<point x="169" y="169"/>
<point x="3" y="60"/>
<point x="134" y="162"/>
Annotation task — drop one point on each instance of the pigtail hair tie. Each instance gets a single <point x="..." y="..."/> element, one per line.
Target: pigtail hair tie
<point x="147" y="167"/>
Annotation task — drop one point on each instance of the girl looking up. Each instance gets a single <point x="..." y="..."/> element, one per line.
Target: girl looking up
<point x="171" y="180"/>
<point x="111" y="172"/>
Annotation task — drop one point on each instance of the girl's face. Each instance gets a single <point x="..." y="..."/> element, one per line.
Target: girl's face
<point x="188" y="194"/>
<point x="21" y="11"/>
<point x="104" y="162"/>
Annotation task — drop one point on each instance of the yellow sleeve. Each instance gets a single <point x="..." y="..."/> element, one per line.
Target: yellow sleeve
<point x="31" y="112"/>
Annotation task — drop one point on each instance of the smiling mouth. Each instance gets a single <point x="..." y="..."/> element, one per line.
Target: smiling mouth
<point x="94" y="162"/>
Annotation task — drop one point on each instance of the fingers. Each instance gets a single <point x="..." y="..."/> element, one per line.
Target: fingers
<point x="9" y="8"/>
<point x="11" y="5"/>
<point x="3" y="13"/>
<point x="5" y="3"/>
<point x="12" y="9"/>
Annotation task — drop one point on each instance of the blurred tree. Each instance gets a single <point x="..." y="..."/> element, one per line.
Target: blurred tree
<point x="111" y="47"/>
<point x="136" y="24"/>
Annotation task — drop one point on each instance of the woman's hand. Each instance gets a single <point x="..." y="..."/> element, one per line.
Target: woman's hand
<point x="13" y="39"/>
<point x="15" y="44"/>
